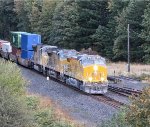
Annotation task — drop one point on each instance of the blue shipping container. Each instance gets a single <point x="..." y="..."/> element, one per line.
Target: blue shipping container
<point x="27" y="40"/>
<point x="26" y="54"/>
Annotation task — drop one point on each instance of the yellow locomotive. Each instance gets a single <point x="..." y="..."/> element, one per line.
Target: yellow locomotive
<point x="85" y="72"/>
<point x="88" y="73"/>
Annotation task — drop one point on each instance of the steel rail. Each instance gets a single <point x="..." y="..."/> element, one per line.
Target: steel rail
<point x="109" y="101"/>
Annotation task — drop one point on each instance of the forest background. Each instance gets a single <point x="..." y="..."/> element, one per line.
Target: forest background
<point x="77" y="24"/>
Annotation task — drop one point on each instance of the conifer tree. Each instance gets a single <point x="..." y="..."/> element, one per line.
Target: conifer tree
<point x="102" y="41"/>
<point x="46" y="16"/>
<point x="130" y="15"/>
<point x="21" y="8"/>
<point x="92" y="13"/>
<point x="146" y="34"/>
<point x="64" y="25"/>
<point x="8" y="18"/>
<point x="34" y="15"/>
<point x="75" y="21"/>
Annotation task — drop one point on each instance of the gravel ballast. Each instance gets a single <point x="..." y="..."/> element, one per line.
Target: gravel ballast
<point x="118" y="97"/>
<point x="137" y="85"/>
<point x="80" y="107"/>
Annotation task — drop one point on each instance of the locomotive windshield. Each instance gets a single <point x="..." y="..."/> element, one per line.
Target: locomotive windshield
<point x="92" y="60"/>
<point x="64" y="54"/>
<point x="100" y="61"/>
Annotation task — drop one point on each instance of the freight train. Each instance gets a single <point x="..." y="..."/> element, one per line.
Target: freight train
<point x="87" y="73"/>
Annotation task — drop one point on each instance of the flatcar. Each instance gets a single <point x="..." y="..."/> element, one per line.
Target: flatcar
<point x="87" y="73"/>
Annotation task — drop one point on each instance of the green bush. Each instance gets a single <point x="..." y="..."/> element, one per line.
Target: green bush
<point x="118" y="120"/>
<point x="13" y="111"/>
<point x="19" y="110"/>
<point x="139" y="111"/>
<point x="45" y="116"/>
<point x="135" y="115"/>
<point x="32" y="103"/>
<point x="11" y="78"/>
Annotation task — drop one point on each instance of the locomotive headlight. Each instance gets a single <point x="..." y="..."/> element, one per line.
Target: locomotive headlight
<point x="102" y="79"/>
<point x="90" y="79"/>
<point x="95" y="67"/>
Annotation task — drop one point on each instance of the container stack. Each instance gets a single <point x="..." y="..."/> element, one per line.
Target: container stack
<point x="16" y="39"/>
<point x="27" y="42"/>
<point x="16" y="44"/>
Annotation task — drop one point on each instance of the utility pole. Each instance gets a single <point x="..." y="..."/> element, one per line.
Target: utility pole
<point x="128" y="48"/>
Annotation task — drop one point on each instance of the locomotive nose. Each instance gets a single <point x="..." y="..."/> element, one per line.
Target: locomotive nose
<point x="96" y="73"/>
<point x="99" y="73"/>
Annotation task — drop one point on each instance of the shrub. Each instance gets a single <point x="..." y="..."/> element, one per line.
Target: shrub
<point x="139" y="111"/>
<point x="11" y="78"/>
<point x="32" y="102"/>
<point x="136" y="115"/>
<point x="19" y="110"/>
<point x="45" y="116"/>
<point x="13" y="112"/>
<point x="118" y="120"/>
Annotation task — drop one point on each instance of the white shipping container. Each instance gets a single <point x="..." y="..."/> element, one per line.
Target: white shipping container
<point x="6" y="47"/>
<point x="3" y="41"/>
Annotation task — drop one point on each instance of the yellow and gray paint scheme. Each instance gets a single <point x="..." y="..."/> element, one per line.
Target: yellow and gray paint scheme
<point x="85" y="72"/>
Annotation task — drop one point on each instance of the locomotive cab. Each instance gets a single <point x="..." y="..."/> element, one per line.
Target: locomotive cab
<point x="94" y="74"/>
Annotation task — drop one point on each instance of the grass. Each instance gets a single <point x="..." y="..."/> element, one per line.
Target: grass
<point x="139" y="71"/>
<point x="48" y="114"/>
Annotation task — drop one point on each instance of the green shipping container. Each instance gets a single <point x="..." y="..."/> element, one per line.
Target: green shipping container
<point x="16" y="39"/>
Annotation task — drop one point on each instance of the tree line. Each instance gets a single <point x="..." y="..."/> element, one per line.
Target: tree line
<point x="98" y="24"/>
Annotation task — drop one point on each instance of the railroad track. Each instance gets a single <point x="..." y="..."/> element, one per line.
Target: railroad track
<point x="125" y="91"/>
<point x="128" y="78"/>
<point x="101" y="98"/>
<point x="109" y="101"/>
<point x="117" y="79"/>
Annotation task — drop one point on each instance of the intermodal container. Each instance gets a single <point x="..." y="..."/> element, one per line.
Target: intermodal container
<point x="28" y="40"/>
<point x="16" y="38"/>
<point x="26" y="54"/>
<point x="1" y="42"/>
<point x="6" y="47"/>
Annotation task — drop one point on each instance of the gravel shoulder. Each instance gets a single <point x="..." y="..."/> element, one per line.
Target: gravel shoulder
<point x="81" y="108"/>
<point x="118" y="97"/>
